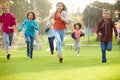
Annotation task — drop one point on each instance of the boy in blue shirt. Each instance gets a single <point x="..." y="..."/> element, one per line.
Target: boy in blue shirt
<point x="51" y="35"/>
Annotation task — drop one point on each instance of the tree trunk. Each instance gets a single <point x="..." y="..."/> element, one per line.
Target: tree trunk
<point x="34" y="8"/>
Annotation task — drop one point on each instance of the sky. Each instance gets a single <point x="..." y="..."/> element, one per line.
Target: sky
<point x="72" y="5"/>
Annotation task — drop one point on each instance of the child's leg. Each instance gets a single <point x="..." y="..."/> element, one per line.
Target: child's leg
<point x="28" y="41"/>
<point x="57" y="36"/>
<point x="75" y="45"/>
<point x="103" y="50"/>
<point x="78" y="48"/>
<point x="31" y="47"/>
<point x="109" y="45"/>
<point x="62" y="35"/>
<point x="6" y="41"/>
<point x="10" y="38"/>
<point x="51" y="44"/>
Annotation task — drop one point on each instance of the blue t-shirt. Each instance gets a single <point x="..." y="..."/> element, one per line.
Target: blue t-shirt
<point x="30" y="27"/>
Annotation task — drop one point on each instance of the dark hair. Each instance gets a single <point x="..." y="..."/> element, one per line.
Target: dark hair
<point x="34" y="16"/>
<point x="64" y="7"/>
<point x="79" y="24"/>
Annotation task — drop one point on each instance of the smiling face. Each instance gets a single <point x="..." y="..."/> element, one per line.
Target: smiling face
<point x="77" y="27"/>
<point x="106" y="14"/>
<point x="60" y="7"/>
<point x="5" y="9"/>
<point x="30" y="16"/>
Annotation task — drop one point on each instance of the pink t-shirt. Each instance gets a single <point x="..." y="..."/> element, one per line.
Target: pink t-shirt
<point x="7" y="20"/>
<point x="77" y="33"/>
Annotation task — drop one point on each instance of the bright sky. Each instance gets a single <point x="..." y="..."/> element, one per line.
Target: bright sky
<point x="72" y="5"/>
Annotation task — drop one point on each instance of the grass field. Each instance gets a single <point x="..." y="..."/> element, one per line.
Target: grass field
<point x="45" y="66"/>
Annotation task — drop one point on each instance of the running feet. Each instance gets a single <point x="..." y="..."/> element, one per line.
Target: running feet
<point x="52" y="52"/>
<point x="8" y="56"/>
<point x="61" y="60"/>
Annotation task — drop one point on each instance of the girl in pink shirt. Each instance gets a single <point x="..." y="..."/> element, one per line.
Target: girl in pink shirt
<point x="8" y="22"/>
<point x="76" y="36"/>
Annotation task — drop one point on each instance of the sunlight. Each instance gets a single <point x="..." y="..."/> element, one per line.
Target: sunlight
<point x="74" y="5"/>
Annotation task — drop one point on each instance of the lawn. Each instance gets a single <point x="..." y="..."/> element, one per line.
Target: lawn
<point x="45" y="66"/>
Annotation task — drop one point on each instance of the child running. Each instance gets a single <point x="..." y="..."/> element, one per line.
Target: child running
<point x="104" y="31"/>
<point x="31" y="26"/>
<point x="51" y="35"/>
<point x="8" y="21"/>
<point x="61" y="19"/>
<point x="77" y="33"/>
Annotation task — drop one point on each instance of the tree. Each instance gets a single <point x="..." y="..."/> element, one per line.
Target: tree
<point x="117" y="8"/>
<point x="20" y="8"/>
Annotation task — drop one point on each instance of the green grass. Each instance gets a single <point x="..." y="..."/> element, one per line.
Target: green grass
<point x="45" y="66"/>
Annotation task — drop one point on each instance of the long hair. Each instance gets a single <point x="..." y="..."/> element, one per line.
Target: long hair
<point x="64" y="7"/>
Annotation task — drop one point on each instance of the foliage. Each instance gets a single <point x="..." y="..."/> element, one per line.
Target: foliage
<point x="43" y="7"/>
<point x="117" y="7"/>
<point x="20" y="8"/>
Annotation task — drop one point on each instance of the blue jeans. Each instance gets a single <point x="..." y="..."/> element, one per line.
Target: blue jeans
<point x="51" y="43"/>
<point x="8" y="37"/>
<point x="29" y="41"/>
<point x="59" y="35"/>
<point x="105" y="46"/>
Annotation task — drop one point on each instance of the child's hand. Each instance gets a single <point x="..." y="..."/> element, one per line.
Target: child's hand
<point x="10" y="27"/>
<point x="99" y="34"/>
<point x="118" y="38"/>
<point x="49" y="26"/>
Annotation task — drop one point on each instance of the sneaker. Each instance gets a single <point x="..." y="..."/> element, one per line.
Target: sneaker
<point x="61" y="60"/>
<point x="31" y="56"/>
<point x="8" y="56"/>
<point x="104" y="61"/>
<point x="52" y="52"/>
<point x="78" y="55"/>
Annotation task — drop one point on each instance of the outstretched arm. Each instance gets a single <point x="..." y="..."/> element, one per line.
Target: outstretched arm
<point x="22" y="25"/>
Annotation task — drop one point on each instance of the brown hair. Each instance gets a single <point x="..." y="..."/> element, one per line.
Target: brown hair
<point x="79" y="24"/>
<point x="34" y="16"/>
<point x="64" y="7"/>
<point x="106" y="10"/>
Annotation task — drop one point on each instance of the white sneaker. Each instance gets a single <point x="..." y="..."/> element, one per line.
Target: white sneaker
<point x="78" y="55"/>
